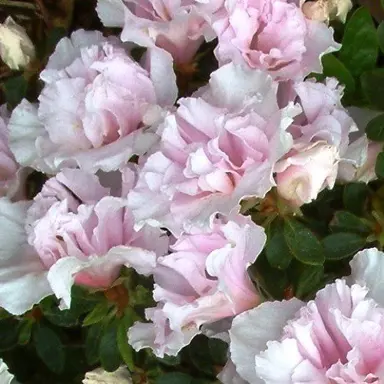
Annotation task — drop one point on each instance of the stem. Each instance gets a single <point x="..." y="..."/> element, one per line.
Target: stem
<point x="17" y="4"/>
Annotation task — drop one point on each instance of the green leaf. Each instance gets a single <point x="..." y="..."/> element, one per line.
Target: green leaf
<point x="9" y="334"/>
<point x="108" y="351"/>
<point x="199" y="355"/>
<point x="380" y="35"/>
<point x="125" y="349"/>
<point x="98" y="314"/>
<point x="333" y="67"/>
<point x="218" y="350"/>
<point x="372" y="83"/>
<point x="344" y="221"/>
<point x="277" y="251"/>
<point x="49" y="348"/>
<point x="302" y="243"/>
<point x="25" y="331"/>
<point x="360" y="45"/>
<point x="341" y="245"/>
<point x="15" y="89"/>
<point x="379" y="166"/>
<point x="354" y="197"/>
<point x="170" y="361"/>
<point x="375" y="128"/>
<point x="307" y="279"/>
<point x="92" y="343"/>
<point x="175" y="378"/>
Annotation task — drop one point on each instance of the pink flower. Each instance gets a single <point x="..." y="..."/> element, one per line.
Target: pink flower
<point x="8" y="164"/>
<point x="75" y="232"/>
<point x="94" y="106"/>
<point x="321" y="139"/>
<point x="177" y="26"/>
<point x="359" y="161"/>
<point x="336" y="338"/>
<point x="306" y="171"/>
<point x="219" y="147"/>
<point x="272" y="35"/>
<point x="203" y="280"/>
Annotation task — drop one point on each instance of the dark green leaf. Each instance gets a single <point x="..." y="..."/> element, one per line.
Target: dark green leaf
<point x="199" y="355"/>
<point x="360" y="44"/>
<point x="62" y="318"/>
<point x="278" y="254"/>
<point x="125" y="349"/>
<point x="174" y="378"/>
<point x="98" y="314"/>
<point x="355" y="197"/>
<point x="49" y="348"/>
<point x="108" y="351"/>
<point x="338" y="246"/>
<point x="170" y="360"/>
<point x="25" y="331"/>
<point x="218" y="350"/>
<point x="302" y="243"/>
<point x="15" y="89"/>
<point x="372" y="83"/>
<point x="380" y="35"/>
<point x="8" y="334"/>
<point x="92" y="343"/>
<point x="375" y="128"/>
<point x="307" y="279"/>
<point x="333" y="67"/>
<point x="344" y="221"/>
<point x="379" y="166"/>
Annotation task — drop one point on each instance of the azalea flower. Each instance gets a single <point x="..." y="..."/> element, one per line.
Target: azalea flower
<point x="338" y="337"/>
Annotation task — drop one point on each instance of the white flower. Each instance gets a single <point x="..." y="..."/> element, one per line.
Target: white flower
<point x="16" y="48"/>
<point x="5" y="376"/>
<point x="99" y="376"/>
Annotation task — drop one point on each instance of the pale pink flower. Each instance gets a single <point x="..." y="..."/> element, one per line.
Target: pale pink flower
<point x="73" y="232"/>
<point x="336" y="338"/>
<point x="219" y="147"/>
<point x="177" y="26"/>
<point x="321" y="140"/>
<point x="358" y="163"/>
<point x="203" y="280"/>
<point x="306" y="171"/>
<point x="272" y="35"/>
<point x="94" y="106"/>
<point x="8" y="165"/>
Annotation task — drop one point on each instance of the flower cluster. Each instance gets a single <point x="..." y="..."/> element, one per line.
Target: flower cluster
<point x="145" y="177"/>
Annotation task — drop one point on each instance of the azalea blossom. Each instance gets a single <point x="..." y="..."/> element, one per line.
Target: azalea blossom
<point x="177" y="26"/>
<point x="5" y="376"/>
<point x="219" y="147"/>
<point x="272" y="35"/>
<point x="74" y="231"/>
<point x="95" y="106"/>
<point x="9" y="175"/>
<point x="16" y="48"/>
<point x="338" y="337"/>
<point x="321" y="135"/>
<point x="204" y="279"/>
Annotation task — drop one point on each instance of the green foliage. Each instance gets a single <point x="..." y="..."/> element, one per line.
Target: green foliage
<point x="49" y="348"/>
<point x="375" y="129"/>
<point x="379" y="167"/>
<point x="109" y="353"/>
<point x="303" y="243"/>
<point x="360" y="43"/>
<point x="341" y="245"/>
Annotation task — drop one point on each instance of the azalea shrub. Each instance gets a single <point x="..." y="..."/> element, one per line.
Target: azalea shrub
<point x="192" y="192"/>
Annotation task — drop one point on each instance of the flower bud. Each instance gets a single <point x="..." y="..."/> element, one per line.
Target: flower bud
<point x="16" y="48"/>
